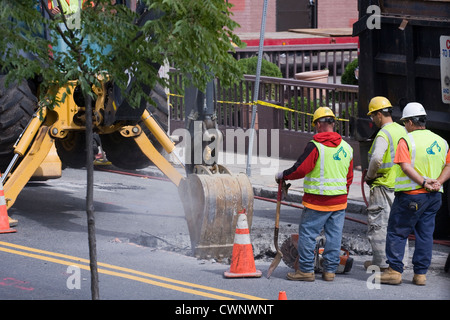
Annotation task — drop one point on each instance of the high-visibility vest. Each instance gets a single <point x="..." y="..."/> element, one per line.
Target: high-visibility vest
<point x="427" y="152"/>
<point x="69" y="7"/>
<point x="391" y="132"/>
<point x="329" y="176"/>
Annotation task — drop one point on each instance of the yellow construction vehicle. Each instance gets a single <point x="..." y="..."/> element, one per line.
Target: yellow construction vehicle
<point x="37" y="142"/>
<point x="211" y="195"/>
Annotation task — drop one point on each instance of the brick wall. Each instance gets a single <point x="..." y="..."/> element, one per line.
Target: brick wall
<point x="331" y="14"/>
<point x="248" y="14"/>
<point x="337" y="14"/>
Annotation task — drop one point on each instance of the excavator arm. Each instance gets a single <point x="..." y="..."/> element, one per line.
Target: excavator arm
<point x="211" y="195"/>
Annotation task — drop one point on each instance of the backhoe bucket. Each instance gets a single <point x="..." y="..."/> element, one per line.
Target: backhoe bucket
<point x="212" y="199"/>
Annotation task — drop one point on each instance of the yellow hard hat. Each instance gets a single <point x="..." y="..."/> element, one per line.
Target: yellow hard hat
<point x="322" y="112"/>
<point x="378" y="103"/>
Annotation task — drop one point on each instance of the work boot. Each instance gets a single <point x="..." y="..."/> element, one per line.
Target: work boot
<point x="369" y="263"/>
<point x="328" y="276"/>
<point x="390" y="276"/>
<point x="12" y="222"/>
<point x="419" y="279"/>
<point x="301" y="276"/>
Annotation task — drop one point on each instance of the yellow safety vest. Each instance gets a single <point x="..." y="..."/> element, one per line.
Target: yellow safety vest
<point x="391" y="132"/>
<point x="329" y="176"/>
<point x="67" y="8"/>
<point x="427" y="152"/>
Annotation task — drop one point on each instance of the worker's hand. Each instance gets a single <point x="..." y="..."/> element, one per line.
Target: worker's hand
<point x="55" y="11"/>
<point x="432" y="185"/>
<point x="370" y="181"/>
<point x="284" y="189"/>
<point x="278" y="177"/>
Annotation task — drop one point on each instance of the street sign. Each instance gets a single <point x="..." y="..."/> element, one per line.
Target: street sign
<point x="445" y="68"/>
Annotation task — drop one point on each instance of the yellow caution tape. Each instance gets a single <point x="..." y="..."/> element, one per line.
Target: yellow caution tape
<point x="262" y="103"/>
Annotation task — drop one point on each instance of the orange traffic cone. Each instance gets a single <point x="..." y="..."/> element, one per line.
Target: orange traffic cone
<point x="242" y="260"/>
<point x="4" y="221"/>
<point x="282" y="295"/>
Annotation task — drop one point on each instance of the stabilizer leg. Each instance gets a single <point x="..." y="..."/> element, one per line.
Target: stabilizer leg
<point x="31" y="161"/>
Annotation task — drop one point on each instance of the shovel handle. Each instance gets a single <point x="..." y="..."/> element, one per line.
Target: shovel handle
<point x="277" y="216"/>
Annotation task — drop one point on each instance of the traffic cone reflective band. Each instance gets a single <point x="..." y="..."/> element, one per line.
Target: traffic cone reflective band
<point x="242" y="260"/>
<point x="282" y="295"/>
<point x="4" y="221"/>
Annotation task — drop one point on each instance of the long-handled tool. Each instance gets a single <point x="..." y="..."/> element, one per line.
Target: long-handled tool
<point x="279" y="254"/>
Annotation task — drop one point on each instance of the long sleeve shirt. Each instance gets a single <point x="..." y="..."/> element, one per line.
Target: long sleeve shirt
<point x="306" y="163"/>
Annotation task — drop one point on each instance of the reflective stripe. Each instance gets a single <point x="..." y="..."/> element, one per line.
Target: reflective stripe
<point x="242" y="238"/>
<point x="409" y="184"/>
<point x="316" y="182"/>
<point x="391" y="150"/>
<point x="322" y="187"/>
<point x="324" y="180"/>
<point x="2" y="194"/>
<point x="413" y="149"/>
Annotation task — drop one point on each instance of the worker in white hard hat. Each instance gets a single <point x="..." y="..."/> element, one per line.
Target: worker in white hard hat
<point x="327" y="166"/>
<point x="423" y="160"/>
<point x="380" y="177"/>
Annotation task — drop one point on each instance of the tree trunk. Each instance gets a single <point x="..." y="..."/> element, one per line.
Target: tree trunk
<point x="90" y="200"/>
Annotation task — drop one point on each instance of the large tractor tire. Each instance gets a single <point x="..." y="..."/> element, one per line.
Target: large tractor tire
<point x="124" y="152"/>
<point x="72" y="149"/>
<point x="17" y="105"/>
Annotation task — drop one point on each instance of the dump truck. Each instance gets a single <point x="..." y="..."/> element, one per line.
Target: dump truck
<point x="38" y="143"/>
<point x="404" y="55"/>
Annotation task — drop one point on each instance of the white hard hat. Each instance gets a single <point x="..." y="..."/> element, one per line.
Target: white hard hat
<point x="413" y="109"/>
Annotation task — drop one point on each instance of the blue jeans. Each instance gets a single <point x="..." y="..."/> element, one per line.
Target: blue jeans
<point x="412" y="213"/>
<point x="311" y="224"/>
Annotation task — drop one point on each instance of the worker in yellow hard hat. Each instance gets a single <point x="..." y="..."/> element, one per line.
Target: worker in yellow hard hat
<point x="323" y="114"/>
<point x="327" y="168"/>
<point x="381" y="178"/>
<point x="378" y="103"/>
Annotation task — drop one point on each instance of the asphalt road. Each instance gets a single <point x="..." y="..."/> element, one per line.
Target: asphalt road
<point x="144" y="253"/>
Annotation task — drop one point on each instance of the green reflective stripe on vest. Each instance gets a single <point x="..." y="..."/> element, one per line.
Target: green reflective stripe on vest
<point x="329" y="178"/>
<point x="428" y="152"/>
<point x="392" y="133"/>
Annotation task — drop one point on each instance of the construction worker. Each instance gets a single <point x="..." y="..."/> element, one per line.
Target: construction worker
<point x="381" y="178"/>
<point x="423" y="160"/>
<point x="327" y="166"/>
<point x="70" y="9"/>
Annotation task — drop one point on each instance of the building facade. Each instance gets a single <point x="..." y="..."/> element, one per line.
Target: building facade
<point x="294" y="14"/>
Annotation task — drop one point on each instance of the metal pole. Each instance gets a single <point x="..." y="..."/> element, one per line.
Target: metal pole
<point x="256" y="91"/>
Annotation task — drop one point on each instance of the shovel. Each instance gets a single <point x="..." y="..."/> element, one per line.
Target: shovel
<point x="279" y="255"/>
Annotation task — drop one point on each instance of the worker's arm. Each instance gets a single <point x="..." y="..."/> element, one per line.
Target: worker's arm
<point x="305" y="163"/>
<point x="445" y="174"/>
<point x="349" y="176"/>
<point x="409" y="170"/>
<point x="379" y="148"/>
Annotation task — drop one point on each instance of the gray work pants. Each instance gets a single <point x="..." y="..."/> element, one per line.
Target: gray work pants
<point x="380" y="203"/>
